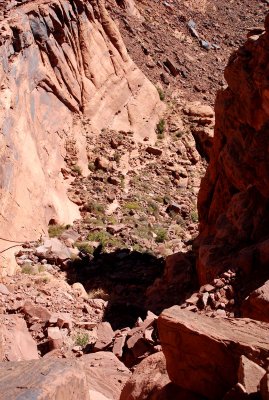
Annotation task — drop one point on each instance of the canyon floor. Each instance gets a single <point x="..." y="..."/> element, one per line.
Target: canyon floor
<point x="92" y="291"/>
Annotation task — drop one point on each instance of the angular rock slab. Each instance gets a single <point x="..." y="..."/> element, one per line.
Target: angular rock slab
<point x="16" y="342"/>
<point x="93" y="377"/>
<point x="106" y="375"/>
<point x="203" y="353"/>
<point x="45" y="379"/>
<point x="256" y="306"/>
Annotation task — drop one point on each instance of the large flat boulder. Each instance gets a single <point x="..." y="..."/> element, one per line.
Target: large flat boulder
<point x="45" y="379"/>
<point x="99" y="376"/>
<point x="203" y="354"/>
<point x="105" y="374"/>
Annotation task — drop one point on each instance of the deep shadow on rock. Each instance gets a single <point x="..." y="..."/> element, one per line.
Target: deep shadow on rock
<point x="132" y="281"/>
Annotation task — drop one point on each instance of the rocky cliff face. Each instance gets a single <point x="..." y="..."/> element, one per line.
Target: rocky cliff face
<point x="64" y="72"/>
<point x="234" y="195"/>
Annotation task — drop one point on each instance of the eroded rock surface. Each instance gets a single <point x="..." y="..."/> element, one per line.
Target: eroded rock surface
<point x="203" y="354"/>
<point x="64" y="73"/>
<point x="233" y="199"/>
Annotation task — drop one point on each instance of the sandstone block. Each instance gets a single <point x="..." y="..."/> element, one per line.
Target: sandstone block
<point x="208" y="350"/>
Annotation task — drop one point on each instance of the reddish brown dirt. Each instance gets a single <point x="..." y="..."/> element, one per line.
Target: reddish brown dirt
<point x="152" y="39"/>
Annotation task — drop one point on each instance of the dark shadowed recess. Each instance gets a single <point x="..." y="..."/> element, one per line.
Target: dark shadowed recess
<point x="124" y="275"/>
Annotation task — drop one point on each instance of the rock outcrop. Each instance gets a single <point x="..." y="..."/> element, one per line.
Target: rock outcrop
<point x="64" y="72"/>
<point x="234" y="195"/>
<point x="93" y="377"/>
<point x="203" y="354"/>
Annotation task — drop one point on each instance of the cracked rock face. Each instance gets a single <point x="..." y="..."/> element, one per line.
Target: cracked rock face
<point x="64" y="72"/>
<point x="234" y="195"/>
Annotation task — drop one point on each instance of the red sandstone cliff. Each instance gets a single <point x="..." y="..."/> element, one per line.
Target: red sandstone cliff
<point x="64" y="72"/>
<point x="234" y="195"/>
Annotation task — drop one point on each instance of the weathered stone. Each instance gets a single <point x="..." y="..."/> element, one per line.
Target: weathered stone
<point x="34" y="311"/>
<point x="45" y="379"/>
<point x="4" y="289"/>
<point x="151" y="382"/>
<point x="101" y="163"/>
<point x="256" y="305"/>
<point x="154" y="150"/>
<point x="105" y="374"/>
<point x="55" y="337"/>
<point x="53" y="249"/>
<point x="105" y="335"/>
<point x="59" y="99"/>
<point x="264" y="387"/>
<point x="233" y="198"/>
<point x="250" y="375"/>
<point x="208" y="350"/>
<point x="118" y="344"/>
<point x="16" y="343"/>
<point x="80" y="290"/>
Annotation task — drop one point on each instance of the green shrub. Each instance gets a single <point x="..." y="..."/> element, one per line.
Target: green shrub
<point x="132" y="205"/>
<point x="161" y="235"/>
<point x="161" y="94"/>
<point x="194" y="216"/>
<point x="160" y="128"/>
<point x="27" y="269"/>
<point x="104" y="238"/>
<point x="56" y="230"/>
<point x="77" y="169"/>
<point x="84" y="246"/>
<point x="96" y="208"/>
<point x="82" y="339"/>
<point x="91" y="167"/>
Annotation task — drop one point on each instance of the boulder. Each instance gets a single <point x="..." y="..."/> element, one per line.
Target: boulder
<point x="250" y="375"/>
<point x="32" y="310"/>
<point x="154" y="151"/>
<point x="105" y="335"/>
<point x="45" y="379"/>
<point x="3" y="289"/>
<point x="55" y="337"/>
<point x="94" y="377"/>
<point x="105" y="374"/>
<point x="16" y="343"/>
<point x="53" y="249"/>
<point x="256" y="305"/>
<point x="150" y="381"/>
<point x="264" y="387"/>
<point x="208" y="350"/>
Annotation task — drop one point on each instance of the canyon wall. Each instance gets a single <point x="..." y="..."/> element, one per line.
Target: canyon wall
<point x="64" y="73"/>
<point x="233" y="201"/>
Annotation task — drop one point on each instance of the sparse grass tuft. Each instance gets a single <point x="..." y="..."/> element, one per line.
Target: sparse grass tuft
<point x="105" y="239"/>
<point x="161" y="235"/>
<point x="194" y="216"/>
<point x="96" y="208"/>
<point x="85" y="247"/>
<point x="160" y="129"/>
<point x="77" y="169"/>
<point x="27" y="269"/>
<point x="132" y="205"/>
<point x="161" y="94"/>
<point x="82" y="339"/>
<point x="91" y="167"/>
<point x="153" y="208"/>
<point x="56" y="230"/>
<point x="98" y="293"/>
